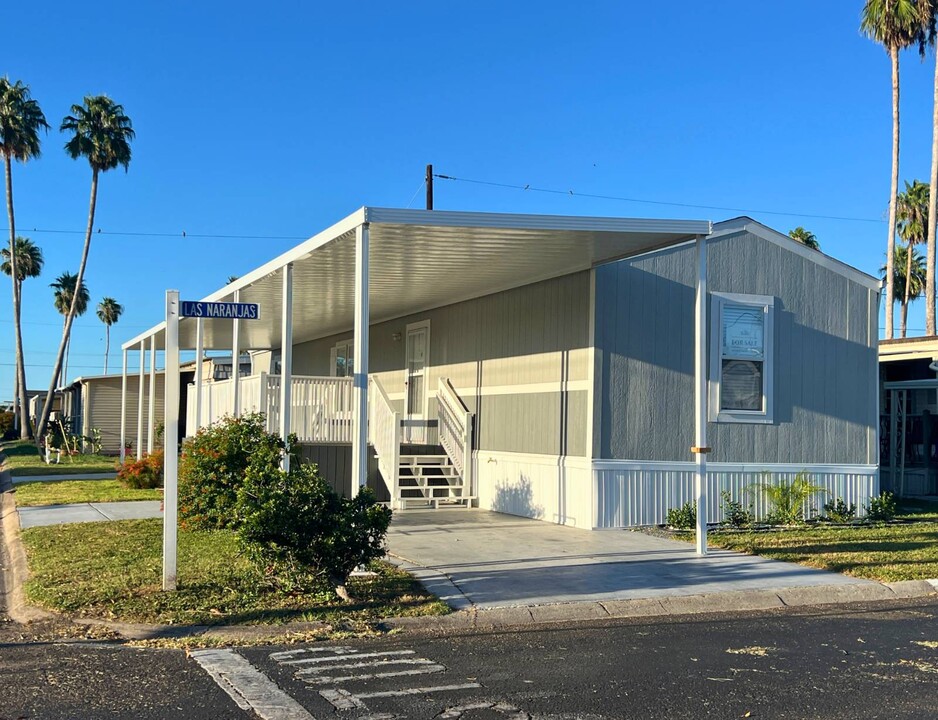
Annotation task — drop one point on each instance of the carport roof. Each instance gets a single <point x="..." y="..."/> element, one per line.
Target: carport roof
<point x="421" y="259"/>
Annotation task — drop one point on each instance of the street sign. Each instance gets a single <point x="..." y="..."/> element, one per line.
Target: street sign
<point x="220" y="310"/>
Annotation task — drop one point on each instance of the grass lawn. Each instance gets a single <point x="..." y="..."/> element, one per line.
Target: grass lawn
<point x="879" y="552"/>
<point x="22" y="458"/>
<point x="113" y="570"/>
<point x="61" y="492"/>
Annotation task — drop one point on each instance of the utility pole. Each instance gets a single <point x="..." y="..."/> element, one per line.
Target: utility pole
<point x="429" y="187"/>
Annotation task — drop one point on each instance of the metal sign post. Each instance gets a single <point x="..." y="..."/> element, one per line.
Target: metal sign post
<point x="176" y="309"/>
<point x="170" y="438"/>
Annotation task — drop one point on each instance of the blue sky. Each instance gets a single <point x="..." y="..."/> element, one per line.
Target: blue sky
<point x="277" y="119"/>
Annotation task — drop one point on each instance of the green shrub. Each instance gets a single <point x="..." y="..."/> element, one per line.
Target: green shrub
<point x="839" y="512"/>
<point x="788" y="499"/>
<point x="142" y="474"/>
<point x="734" y="514"/>
<point x="6" y="426"/>
<point x="213" y="465"/>
<point x="882" y="508"/>
<point x="302" y="534"/>
<point x="684" y="517"/>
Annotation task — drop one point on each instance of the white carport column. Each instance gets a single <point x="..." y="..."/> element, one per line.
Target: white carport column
<point x="360" y="361"/>
<point x="140" y="403"/>
<point x="199" y="358"/>
<point x="151" y="408"/>
<point x="700" y="448"/>
<point x="236" y="361"/>
<point x="124" y="407"/>
<point x="170" y="438"/>
<point x="286" y="359"/>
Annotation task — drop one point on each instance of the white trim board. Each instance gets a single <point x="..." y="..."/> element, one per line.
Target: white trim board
<point x="690" y="465"/>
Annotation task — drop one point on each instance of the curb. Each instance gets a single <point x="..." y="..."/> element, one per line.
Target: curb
<point x="16" y="572"/>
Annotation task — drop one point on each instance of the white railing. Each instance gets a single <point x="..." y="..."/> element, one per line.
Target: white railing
<point x="384" y="433"/>
<point x="455" y="427"/>
<point x="321" y="407"/>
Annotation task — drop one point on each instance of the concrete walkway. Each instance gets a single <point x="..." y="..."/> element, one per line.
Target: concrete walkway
<point x="88" y="512"/>
<point x="474" y="557"/>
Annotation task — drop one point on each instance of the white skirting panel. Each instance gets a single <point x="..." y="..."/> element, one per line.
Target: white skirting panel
<point x="545" y="487"/>
<point x="630" y="493"/>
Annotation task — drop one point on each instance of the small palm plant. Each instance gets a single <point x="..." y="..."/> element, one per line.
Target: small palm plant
<point x="789" y="498"/>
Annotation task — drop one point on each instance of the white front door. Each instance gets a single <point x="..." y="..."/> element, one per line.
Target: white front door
<point x="416" y="366"/>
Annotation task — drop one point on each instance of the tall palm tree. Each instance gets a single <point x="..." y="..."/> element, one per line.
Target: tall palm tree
<point x="805" y="237"/>
<point x="101" y="134"/>
<point x="912" y="214"/>
<point x="21" y="121"/>
<point x="28" y="263"/>
<point x="928" y="15"/>
<point x="896" y="25"/>
<point x="916" y="273"/>
<point x="109" y="312"/>
<point x="69" y="302"/>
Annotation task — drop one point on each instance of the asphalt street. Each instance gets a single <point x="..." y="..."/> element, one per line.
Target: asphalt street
<point x="876" y="662"/>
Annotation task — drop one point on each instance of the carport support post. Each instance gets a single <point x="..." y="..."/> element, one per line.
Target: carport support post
<point x="286" y="359"/>
<point x="140" y="403"/>
<point x="700" y="448"/>
<point x="151" y="409"/>
<point x="199" y="357"/>
<point x="360" y="361"/>
<point x="170" y="437"/>
<point x="123" y="450"/>
<point x="236" y="361"/>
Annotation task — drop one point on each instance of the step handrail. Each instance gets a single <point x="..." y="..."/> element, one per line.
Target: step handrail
<point x="455" y="423"/>
<point x="384" y="433"/>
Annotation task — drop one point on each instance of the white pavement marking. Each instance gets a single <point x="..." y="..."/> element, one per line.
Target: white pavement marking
<point x="342" y="699"/>
<point x="419" y="691"/>
<point x="290" y="654"/>
<point x="248" y="687"/>
<point x="428" y="670"/>
<point x="310" y="661"/>
<point x="368" y="664"/>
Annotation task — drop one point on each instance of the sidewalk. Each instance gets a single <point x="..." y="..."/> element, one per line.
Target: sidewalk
<point x="17" y="479"/>
<point x="88" y="512"/>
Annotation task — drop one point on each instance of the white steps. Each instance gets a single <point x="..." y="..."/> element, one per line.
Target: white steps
<point x="430" y="480"/>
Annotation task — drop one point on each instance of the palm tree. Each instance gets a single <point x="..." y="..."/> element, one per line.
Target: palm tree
<point x="69" y="303"/>
<point x="896" y="25"/>
<point x="28" y="263"/>
<point x="21" y="120"/>
<point x="912" y="214"/>
<point x="102" y="135"/>
<point x="805" y="237"/>
<point x="916" y="271"/>
<point x="928" y="15"/>
<point x="109" y="312"/>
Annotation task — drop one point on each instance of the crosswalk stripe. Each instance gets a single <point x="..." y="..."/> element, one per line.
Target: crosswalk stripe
<point x="248" y="686"/>
<point x="417" y="691"/>
<point x="288" y="654"/>
<point x="314" y="660"/>
<point x="428" y="670"/>
<point x="370" y="663"/>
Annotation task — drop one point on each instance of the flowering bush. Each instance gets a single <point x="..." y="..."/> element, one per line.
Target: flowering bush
<point x="213" y="465"/>
<point x="142" y="474"/>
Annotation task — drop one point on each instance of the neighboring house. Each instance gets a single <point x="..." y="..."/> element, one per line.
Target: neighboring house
<point x="95" y="402"/>
<point x="545" y="365"/>
<point x="908" y="371"/>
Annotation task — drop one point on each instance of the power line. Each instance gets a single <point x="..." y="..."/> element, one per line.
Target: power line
<point x="594" y="196"/>
<point x="182" y="234"/>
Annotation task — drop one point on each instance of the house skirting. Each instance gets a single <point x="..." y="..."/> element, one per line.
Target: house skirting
<point x="606" y="494"/>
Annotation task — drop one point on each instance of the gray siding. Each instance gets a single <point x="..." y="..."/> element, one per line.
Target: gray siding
<point x="494" y="349"/>
<point x="825" y="357"/>
<point x="335" y="466"/>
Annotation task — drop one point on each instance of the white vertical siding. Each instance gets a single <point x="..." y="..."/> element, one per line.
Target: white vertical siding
<point x="641" y="493"/>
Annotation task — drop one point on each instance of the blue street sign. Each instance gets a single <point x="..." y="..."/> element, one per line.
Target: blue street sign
<point x="220" y="310"/>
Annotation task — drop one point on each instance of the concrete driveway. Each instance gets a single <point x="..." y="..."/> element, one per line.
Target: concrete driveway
<point x="494" y="560"/>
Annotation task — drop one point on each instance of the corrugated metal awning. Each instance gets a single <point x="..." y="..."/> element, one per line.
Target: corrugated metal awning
<point x="421" y="259"/>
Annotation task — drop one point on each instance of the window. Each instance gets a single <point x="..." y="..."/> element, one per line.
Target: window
<point x="742" y="358"/>
<point x="343" y="359"/>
